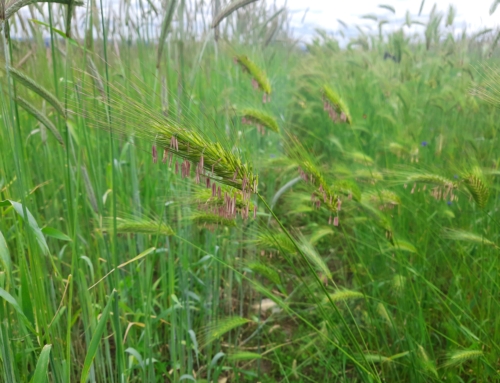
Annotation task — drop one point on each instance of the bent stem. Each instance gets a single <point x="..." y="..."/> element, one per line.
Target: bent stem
<point x="318" y="281"/>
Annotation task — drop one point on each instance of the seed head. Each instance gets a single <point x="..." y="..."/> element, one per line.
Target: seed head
<point x="155" y="154"/>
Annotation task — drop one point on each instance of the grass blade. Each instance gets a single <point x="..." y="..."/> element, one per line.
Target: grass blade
<point x="42" y="365"/>
<point x="96" y="339"/>
<point x="54" y="233"/>
<point x="164" y="30"/>
<point x="4" y="254"/>
<point x="31" y="222"/>
<point x="12" y="301"/>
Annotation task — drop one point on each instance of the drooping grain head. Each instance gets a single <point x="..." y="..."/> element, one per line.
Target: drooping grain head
<point x="260" y="119"/>
<point x="335" y="106"/>
<point x="259" y="77"/>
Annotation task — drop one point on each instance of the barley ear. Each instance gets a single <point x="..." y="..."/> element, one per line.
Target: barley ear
<point x="456" y="358"/>
<point x="28" y="107"/>
<point x="345" y="295"/>
<point x="266" y="271"/>
<point x="375" y="358"/>
<point x="313" y="257"/>
<point x="32" y="85"/>
<point x="211" y="219"/>
<point x="17" y="5"/>
<point x="234" y="6"/>
<point x="275" y="240"/>
<point x="429" y="178"/>
<point x="96" y="76"/>
<point x="138" y="226"/>
<point x="259" y="118"/>
<point x="335" y="105"/>
<point x="467" y="236"/>
<point x="217" y="329"/>
<point x="427" y="363"/>
<point x="257" y="74"/>
<point x="476" y="185"/>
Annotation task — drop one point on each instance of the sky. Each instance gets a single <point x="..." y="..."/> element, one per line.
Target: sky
<point x="471" y="14"/>
<point x="307" y="15"/>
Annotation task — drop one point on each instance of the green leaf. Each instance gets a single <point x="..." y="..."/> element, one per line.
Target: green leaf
<point x="140" y="256"/>
<point x="54" y="233"/>
<point x="31" y="221"/>
<point x="244" y="355"/>
<point x="10" y="299"/>
<point x="187" y="377"/>
<point x="4" y="254"/>
<point x="42" y="366"/>
<point x="96" y="339"/>
<point x="55" y="30"/>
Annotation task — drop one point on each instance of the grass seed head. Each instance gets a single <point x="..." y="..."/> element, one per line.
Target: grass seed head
<point x="260" y="119"/>
<point x="335" y="106"/>
<point x="476" y="185"/>
<point x="138" y="226"/>
<point x="455" y="358"/>
<point x="345" y="295"/>
<point x="259" y="78"/>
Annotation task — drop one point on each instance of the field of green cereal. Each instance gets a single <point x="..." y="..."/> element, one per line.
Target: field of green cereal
<point x="190" y="193"/>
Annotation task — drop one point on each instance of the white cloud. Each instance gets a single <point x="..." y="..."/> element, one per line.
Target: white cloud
<point x="473" y="15"/>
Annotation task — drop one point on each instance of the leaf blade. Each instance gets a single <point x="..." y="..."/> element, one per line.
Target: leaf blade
<point x="54" y="233"/>
<point x="96" y="338"/>
<point x="42" y="365"/>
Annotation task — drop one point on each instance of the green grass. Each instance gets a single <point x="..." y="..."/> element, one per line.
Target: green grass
<point x="373" y="253"/>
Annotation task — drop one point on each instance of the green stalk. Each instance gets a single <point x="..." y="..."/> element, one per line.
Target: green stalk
<point x="120" y="363"/>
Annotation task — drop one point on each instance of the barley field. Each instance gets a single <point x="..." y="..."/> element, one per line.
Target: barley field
<point x="190" y="192"/>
